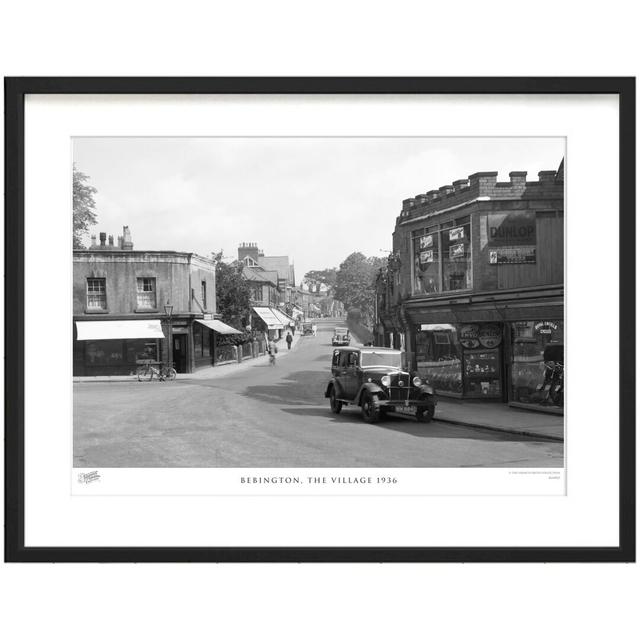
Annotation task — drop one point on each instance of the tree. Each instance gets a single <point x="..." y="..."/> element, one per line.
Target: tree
<point x="84" y="214"/>
<point x="233" y="293"/>
<point x="325" y="277"/>
<point x="355" y="283"/>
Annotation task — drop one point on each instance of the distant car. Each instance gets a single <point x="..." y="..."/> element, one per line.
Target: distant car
<point x="373" y="379"/>
<point x="307" y="329"/>
<point x="341" y="337"/>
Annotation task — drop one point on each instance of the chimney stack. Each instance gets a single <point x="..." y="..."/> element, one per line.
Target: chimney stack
<point x="103" y="240"/>
<point x="127" y="245"/>
<point x="518" y="178"/>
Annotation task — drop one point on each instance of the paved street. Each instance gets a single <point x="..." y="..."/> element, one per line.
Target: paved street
<point x="256" y="415"/>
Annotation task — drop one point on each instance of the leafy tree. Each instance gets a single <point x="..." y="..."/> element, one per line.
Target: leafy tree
<point x="233" y="293"/>
<point x="355" y="283"/>
<point x="84" y="214"/>
<point x="325" y="277"/>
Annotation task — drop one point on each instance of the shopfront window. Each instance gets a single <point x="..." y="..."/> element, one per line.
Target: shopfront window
<point x="537" y="368"/>
<point x="439" y="356"/>
<point x="442" y="258"/>
<point x="456" y="257"/>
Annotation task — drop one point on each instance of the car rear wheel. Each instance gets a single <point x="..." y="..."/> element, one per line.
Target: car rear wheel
<point x="336" y="405"/>
<point x="370" y="412"/>
<point x="425" y="414"/>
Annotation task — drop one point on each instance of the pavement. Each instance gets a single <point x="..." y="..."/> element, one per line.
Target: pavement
<point x="498" y="416"/>
<point x="206" y="373"/>
<point x="492" y="416"/>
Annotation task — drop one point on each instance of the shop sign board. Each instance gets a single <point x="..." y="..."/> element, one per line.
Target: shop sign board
<point x="513" y="255"/>
<point x="514" y="229"/>
<point x="469" y="336"/>
<point x="490" y="335"/>
<point x="546" y="326"/>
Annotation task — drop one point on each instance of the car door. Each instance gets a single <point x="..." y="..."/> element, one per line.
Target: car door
<point x="339" y="370"/>
<point x="353" y="377"/>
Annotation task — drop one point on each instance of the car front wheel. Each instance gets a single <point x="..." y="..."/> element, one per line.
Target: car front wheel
<point x="336" y="405"/>
<point x="370" y="412"/>
<point x="425" y="414"/>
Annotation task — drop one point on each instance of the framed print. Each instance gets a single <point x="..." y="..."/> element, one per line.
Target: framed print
<point x="320" y="319"/>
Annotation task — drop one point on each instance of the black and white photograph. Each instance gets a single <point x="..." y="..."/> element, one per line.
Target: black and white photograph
<point x="318" y="302"/>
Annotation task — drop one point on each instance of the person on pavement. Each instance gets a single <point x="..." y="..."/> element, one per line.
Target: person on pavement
<point x="272" y="349"/>
<point x="289" y="340"/>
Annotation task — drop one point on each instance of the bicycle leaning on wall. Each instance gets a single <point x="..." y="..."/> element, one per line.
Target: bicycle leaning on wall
<point x="162" y="370"/>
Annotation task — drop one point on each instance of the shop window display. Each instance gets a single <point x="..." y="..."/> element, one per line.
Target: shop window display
<point x="426" y="263"/>
<point x="537" y="370"/>
<point x="442" y="258"/>
<point x="439" y="357"/>
<point x="456" y="258"/>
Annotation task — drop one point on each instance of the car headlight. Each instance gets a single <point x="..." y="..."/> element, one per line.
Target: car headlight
<point x="417" y="381"/>
<point x="386" y="380"/>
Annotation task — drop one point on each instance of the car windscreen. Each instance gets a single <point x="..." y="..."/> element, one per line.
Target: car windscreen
<point x="381" y="358"/>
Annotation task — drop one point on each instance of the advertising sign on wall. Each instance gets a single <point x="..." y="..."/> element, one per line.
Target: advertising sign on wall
<point x="513" y="255"/>
<point x="514" y="229"/>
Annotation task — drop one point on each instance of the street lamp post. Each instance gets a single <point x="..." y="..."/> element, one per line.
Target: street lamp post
<point x="168" y="312"/>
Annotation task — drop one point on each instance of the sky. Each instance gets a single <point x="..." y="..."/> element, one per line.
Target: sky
<point x="316" y="200"/>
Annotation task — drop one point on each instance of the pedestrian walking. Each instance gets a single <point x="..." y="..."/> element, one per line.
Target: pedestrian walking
<point x="289" y="340"/>
<point x="272" y="349"/>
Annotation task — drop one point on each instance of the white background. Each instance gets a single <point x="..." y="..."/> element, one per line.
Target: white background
<point x="320" y="601"/>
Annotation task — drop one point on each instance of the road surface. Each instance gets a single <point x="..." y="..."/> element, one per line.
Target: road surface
<point x="256" y="415"/>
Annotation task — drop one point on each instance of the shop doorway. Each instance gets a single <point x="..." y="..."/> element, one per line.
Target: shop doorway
<point x="180" y="352"/>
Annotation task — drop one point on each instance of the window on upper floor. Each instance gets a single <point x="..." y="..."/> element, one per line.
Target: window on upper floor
<point x="442" y="258"/>
<point x="96" y="294"/>
<point x="203" y="292"/>
<point x="146" y="293"/>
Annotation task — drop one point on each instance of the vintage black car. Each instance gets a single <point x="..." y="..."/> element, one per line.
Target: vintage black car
<point x="373" y="379"/>
<point x="341" y="337"/>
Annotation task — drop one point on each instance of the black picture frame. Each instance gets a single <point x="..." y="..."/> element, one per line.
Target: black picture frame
<point x="15" y="91"/>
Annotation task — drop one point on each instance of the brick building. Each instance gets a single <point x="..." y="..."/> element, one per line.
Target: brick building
<point x="119" y="300"/>
<point x="474" y="288"/>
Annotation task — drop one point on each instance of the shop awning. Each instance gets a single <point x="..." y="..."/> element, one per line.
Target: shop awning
<point x="268" y="316"/>
<point x="283" y="318"/>
<point x="218" y="326"/>
<point x="119" y="330"/>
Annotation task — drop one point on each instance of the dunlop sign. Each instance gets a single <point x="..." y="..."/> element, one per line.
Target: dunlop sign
<point x="515" y="229"/>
